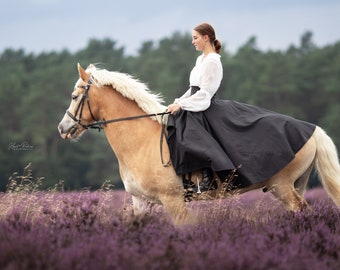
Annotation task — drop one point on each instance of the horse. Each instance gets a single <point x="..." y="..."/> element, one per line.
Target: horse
<point x="133" y="120"/>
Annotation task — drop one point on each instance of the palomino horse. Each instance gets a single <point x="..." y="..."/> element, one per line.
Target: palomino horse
<point x="111" y="100"/>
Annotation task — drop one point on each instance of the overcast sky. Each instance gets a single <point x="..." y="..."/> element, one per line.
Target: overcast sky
<point x="47" y="25"/>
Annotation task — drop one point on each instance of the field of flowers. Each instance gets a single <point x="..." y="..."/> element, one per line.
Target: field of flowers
<point x="96" y="230"/>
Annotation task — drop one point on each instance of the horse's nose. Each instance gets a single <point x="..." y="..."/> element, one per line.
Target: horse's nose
<point x="61" y="128"/>
<point x="62" y="131"/>
<point x="65" y="126"/>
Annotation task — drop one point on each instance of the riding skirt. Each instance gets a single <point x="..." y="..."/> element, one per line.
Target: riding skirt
<point x="230" y="134"/>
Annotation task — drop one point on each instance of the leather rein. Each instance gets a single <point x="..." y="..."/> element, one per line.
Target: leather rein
<point x="100" y="124"/>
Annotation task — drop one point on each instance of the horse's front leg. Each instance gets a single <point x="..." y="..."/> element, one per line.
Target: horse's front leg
<point x="141" y="205"/>
<point x="176" y="207"/>
<point x="173" y="203"/>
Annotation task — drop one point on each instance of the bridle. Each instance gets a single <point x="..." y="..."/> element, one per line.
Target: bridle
<point x="100" y="124"/>
<point x="80" y="108"/>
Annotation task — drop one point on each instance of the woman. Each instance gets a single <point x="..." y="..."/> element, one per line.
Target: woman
<point x="214" y="135"/>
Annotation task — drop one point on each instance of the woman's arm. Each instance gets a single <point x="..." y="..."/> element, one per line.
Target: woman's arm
<point x="211" y="76"/>
<point x="175" y="107"/>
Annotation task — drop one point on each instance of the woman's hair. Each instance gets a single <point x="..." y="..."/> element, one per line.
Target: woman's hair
<point x="207" y="29"/>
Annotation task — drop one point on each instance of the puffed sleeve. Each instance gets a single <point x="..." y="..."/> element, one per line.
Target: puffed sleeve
<point x="210" y="79"/>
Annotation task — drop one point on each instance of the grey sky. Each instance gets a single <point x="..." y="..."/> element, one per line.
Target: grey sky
<point x="46" y="25"/>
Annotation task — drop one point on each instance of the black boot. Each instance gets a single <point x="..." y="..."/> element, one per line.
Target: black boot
<point x="223" y="175"/>
<point x="228" y="178"/>
<point x="208" y="182"/>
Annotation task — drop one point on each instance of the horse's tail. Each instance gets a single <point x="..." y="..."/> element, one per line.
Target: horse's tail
<point x="327" y="164"/>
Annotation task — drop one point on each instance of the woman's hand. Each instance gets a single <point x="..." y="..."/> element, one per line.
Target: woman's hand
<point x="173" y="108"/>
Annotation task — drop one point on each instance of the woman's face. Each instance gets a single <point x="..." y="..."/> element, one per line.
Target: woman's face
<point x="199" y="41"/>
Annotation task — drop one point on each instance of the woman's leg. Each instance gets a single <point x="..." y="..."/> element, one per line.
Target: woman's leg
<point x="208" y="182"/>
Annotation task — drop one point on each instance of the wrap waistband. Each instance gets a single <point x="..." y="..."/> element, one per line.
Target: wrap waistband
<point x="194" y="89"/>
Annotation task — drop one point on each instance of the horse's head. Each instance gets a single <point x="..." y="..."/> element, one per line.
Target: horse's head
<point x="80" y="112"/>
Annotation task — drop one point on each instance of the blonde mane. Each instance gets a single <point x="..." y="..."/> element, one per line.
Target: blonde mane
<point x="129" y="87"/>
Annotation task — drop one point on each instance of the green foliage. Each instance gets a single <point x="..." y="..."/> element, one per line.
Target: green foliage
<point x="166" y="67"/>
<point x="303" y="82"/>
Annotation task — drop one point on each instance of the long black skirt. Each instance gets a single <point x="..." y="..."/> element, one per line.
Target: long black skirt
<point x="229" y="134"/>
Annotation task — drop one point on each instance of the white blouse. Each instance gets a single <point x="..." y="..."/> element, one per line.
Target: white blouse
<point x="207" y="74"/>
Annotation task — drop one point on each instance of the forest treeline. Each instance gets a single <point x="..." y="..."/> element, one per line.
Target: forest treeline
<point x="302" y="81"/>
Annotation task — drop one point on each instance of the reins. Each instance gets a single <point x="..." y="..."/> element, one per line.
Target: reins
<point x="100" y="124"/>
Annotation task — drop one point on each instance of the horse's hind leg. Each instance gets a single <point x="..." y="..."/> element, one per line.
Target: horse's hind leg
<point x="301" y="182"/>
<point x="289" y="184"/>
<point x="289" y="197"/>
<point x="288" y="190"/>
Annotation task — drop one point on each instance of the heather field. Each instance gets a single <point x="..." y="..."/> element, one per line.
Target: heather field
<point x="96" y="230"/>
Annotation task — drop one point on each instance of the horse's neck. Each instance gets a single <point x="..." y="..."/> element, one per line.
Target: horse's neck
<point x="130" y="136"/>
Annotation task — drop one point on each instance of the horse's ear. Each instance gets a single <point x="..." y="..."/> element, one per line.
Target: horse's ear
<point x="82" y="74"/>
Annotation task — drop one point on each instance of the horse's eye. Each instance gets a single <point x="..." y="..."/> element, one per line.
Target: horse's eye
<point x="74" y="97"/>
